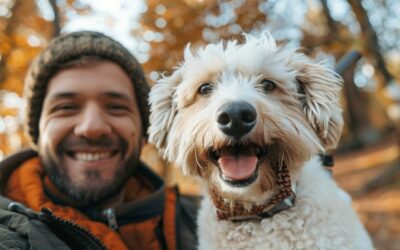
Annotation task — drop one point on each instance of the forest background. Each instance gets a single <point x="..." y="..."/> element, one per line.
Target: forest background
<point x="360" y="37"/>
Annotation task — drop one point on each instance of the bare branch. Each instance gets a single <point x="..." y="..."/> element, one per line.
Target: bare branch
<point x="56" y="21"/>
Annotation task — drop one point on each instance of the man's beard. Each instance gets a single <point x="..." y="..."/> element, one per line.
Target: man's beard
<point x="84" y="195"/>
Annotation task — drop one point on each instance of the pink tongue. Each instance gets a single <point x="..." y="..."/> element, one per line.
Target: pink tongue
<point x="238" y="168"/>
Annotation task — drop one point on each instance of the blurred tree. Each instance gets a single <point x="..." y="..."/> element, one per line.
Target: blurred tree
<point x="23" y="33"/>
<point x="373" y="51"/>
<point x="340" y="40"/>
<point x="56" y="20"/>
<point x="371" y="47"/>
<point x="333" y="37"/>
<point x="169" y="25"/>
<point x="357" y="102"/>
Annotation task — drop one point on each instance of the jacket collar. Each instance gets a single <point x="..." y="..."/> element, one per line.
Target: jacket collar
<point x="136" y="211"/>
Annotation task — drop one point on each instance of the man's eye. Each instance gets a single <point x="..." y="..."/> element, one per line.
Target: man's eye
<point x="66" y="107"/>
<point x="117" y="107"/>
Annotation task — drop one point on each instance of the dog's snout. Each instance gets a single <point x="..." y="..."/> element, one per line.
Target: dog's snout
<point x="236" y="118"/>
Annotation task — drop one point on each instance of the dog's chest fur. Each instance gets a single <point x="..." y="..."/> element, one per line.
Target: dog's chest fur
<point x="321" y="219"/>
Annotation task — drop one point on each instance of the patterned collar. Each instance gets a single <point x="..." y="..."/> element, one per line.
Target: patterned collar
<point x="235" y="211"/>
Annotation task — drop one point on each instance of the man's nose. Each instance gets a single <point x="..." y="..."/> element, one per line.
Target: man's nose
<point x="93" y="122"/>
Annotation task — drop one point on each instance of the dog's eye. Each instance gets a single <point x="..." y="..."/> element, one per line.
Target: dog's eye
<point x="205" y="88"/>
<point x="268" y="85"/>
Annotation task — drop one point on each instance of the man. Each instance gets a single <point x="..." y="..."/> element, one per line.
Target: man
<point x="83" y="186"/>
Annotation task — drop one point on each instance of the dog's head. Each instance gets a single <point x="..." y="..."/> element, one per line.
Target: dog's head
<point x="231" y="109"/>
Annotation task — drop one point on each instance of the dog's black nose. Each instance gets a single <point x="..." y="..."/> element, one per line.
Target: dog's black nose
<point x="236" y="118"/>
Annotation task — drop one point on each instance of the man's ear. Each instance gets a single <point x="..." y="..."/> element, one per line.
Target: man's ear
<point x="163" y="110"/>
<point x="320" y="87"/>
<point x="143" y="141"/>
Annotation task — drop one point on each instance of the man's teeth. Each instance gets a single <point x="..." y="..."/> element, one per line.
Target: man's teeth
<point x="92" y="156"/>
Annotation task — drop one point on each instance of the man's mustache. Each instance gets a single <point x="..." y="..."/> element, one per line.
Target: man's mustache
<point x="82" y="143"/>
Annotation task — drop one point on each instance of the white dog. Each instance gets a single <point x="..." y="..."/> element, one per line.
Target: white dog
<point x="250" y="119"/>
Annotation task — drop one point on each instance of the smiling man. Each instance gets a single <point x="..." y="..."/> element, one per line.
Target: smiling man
<point x="83" y="186"/>
<point x="91" y="131"/>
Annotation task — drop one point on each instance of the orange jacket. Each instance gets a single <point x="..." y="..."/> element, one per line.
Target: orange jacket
<point x="147" y="220"/>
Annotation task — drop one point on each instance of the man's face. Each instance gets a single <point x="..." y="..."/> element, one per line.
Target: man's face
<point x="90" y="130"/>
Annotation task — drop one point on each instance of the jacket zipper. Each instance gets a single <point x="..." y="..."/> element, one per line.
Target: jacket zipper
<point x="111" y="218"/>
<point x="68" y="225"/>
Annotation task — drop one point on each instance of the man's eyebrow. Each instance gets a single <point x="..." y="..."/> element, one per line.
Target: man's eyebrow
<point x="62" y="95"/>
<point x="117" y="95"/>
<point x="111" y="94"/>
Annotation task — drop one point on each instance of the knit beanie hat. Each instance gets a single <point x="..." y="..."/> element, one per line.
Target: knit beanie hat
<point x="70" y="47"/>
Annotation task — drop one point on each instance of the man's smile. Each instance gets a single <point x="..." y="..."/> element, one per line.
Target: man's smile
<point x="92" y="156"/>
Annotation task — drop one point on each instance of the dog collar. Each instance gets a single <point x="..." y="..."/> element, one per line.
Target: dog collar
<point x="235" y="211"/>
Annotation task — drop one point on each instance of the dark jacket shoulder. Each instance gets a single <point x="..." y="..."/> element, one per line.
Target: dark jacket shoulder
<point x="24" y="230"/>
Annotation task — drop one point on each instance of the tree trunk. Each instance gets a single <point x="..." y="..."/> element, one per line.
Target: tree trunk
<point x="332" y="24"/>
<point x="371" y="45"/>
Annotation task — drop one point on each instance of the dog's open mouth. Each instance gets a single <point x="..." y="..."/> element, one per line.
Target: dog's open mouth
<point x="238" y="164"/>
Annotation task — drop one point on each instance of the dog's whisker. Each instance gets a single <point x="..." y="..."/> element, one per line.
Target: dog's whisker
<point x="277" y="126"/>
<point x="196" y="156"/>
<point x="293" y="125"/>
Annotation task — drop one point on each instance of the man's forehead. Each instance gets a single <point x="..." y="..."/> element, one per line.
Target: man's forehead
<point x="103" y="78"/>
<point x="75" y="94"/>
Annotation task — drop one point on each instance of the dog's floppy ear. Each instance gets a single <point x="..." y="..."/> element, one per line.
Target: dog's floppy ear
<point x="320" y="87"/>
<point x="163" y="110"/>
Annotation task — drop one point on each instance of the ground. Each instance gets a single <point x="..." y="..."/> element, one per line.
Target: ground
<point x="379" y="207"/>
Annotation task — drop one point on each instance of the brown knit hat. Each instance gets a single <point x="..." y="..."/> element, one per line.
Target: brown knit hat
<point x="70" y="47"/>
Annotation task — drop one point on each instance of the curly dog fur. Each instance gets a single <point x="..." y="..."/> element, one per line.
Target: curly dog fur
<point x="240" y="114"/>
